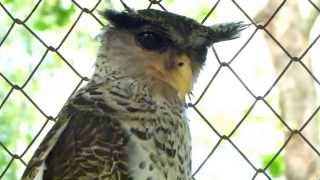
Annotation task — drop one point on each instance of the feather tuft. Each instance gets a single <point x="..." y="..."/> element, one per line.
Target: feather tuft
<point x="226" y="31"/>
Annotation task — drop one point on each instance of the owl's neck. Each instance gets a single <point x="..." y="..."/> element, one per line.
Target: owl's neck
<point x="134" y="88"/>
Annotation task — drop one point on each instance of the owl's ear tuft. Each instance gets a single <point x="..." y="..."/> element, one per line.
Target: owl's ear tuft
<point x="226" y="31"/>
<point x="126" y="6"/>
<point x="124" y="19"/>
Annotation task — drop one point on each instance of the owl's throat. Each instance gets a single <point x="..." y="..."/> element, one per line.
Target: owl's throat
<point x="135" y="86"/>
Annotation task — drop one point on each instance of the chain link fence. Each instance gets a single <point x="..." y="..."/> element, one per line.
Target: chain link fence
<point x="222" y="65"/>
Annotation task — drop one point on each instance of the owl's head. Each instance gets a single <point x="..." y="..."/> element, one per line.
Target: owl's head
<point x="167" y="48"/>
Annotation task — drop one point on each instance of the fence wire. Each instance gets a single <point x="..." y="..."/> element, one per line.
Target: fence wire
<point x="222" y="137"/>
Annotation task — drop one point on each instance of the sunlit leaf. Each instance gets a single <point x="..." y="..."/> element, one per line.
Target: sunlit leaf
<point x="277" y="168"/>
<point x="8" y="1"/>
<point x="41" y="25"/>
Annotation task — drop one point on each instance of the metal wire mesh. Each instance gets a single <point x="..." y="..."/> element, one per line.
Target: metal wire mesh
<point x="222" y="65"/>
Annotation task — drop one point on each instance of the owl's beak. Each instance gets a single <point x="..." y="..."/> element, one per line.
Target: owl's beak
<point x="174" y="71"/>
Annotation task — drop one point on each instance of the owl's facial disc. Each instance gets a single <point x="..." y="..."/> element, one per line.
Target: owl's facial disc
<point x="172" y="70"/>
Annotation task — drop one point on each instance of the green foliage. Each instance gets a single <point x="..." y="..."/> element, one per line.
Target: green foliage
<point x="8" y="1"/>
<point x="10" y="129"/>
<point x="4" y="160"/>
<point x="168" y="2"/>
<point x="53" y="14"/>
<point x="18" y="115"/>
<point x="277" y="168"/>
<point x="202" y="13"/>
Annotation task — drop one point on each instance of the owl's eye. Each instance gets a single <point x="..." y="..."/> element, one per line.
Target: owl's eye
<point x="152" y="41"/>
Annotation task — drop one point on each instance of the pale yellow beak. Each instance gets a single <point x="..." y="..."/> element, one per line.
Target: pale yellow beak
<point x="175" y="72"/>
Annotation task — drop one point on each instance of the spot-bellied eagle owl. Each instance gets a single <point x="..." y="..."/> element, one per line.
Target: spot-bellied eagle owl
<point x="128" y="122"/>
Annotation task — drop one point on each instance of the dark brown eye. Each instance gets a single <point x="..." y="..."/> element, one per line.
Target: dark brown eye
<point x="152" y="41"/>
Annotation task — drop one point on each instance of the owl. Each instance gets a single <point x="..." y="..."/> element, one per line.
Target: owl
<point x="129" y="122"/>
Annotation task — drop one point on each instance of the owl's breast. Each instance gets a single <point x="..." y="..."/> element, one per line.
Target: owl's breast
<point x="159" y="145"/>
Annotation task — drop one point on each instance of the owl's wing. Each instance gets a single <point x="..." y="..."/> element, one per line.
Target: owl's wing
<point x="36" y="165"/>
<point x="85" y="143"/>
